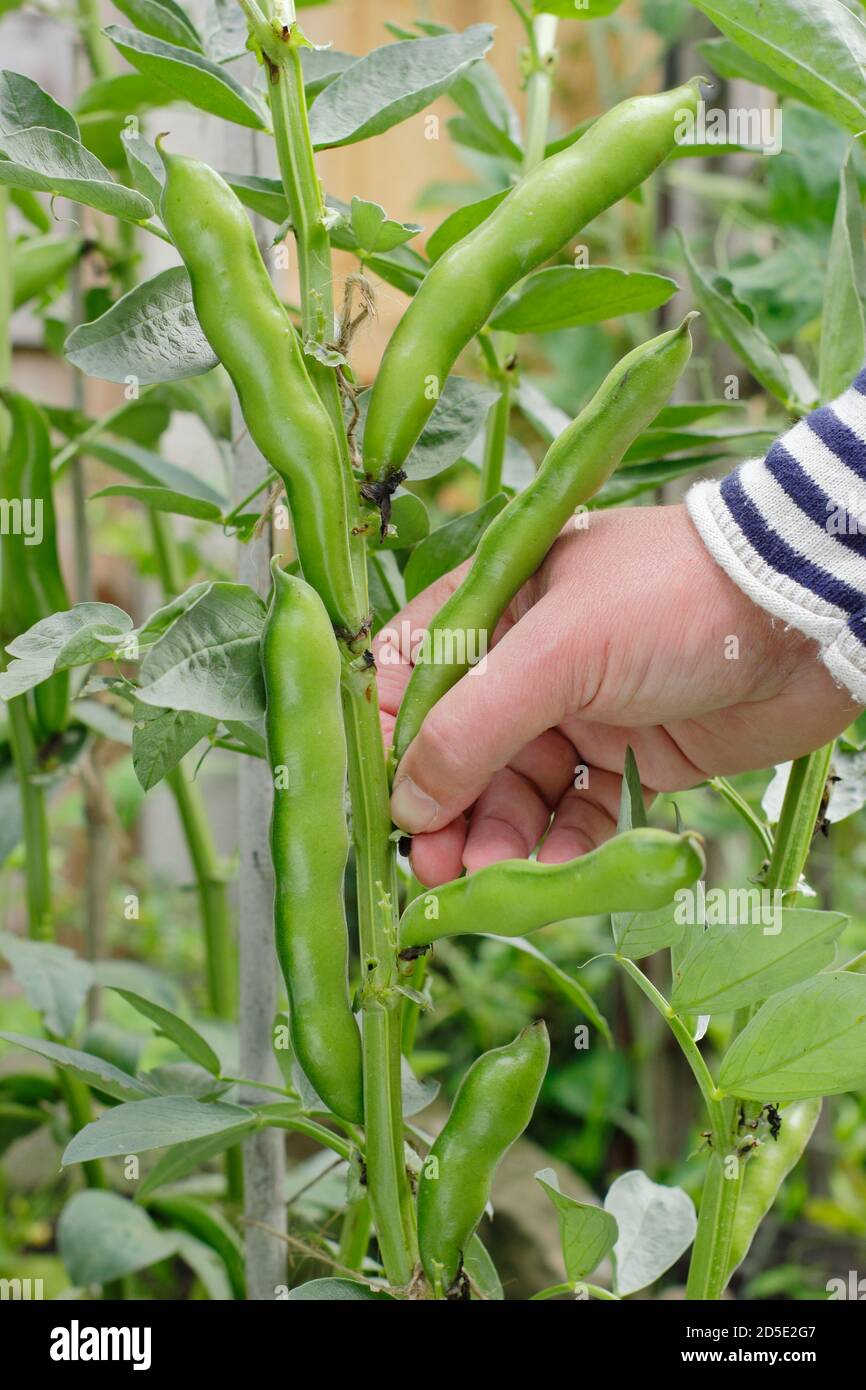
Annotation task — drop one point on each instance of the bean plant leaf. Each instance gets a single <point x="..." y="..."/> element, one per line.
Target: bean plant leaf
<point x="163" y="499"/>
<point x="54" y="980"/>
<point x="587" y="1233"/>
<point x="48" y="161"/>
<point x="85" y="633"/>
<point x="145" y="166"/>
<point x="820" y="48"/>
<point x="734" y="321"/>
<point x="731" y="966"/>
<point x="489" y="123"/>
<point x="456" y="419"/>
<point x="92" y="1070"/>
<point x="191" y="76"/>
<point x="393" y="83"/>
<point x="656" y="1225"/>
<point x="151" y="334"/>
<point x="155" y="1124"/>
<point x="23" y="103"/>
<point x="103" y="1236"/>
<point x="375" y="230"/>
<point x="461" y="222"/>
<point x="449" y="545"/>
<point x="162" y="19"/>
<point x="481" y="1272"/>
<point x="843" y="324"/>
<point x="206" y="1264"/>
<point x="810" y="1040"/>
<point x="338" y="1291"/>
<point x="566" y="296"/>
<point x="409" y="523"/>
<point x="187" y="1038"/>
<point x="146" y="466"/>
<point x="185" y="1158"/>
<point x="208" y="660"/>
<point x="162" y="737"/>
<point x="731" y="61"/>
<point x="321" y="67"/>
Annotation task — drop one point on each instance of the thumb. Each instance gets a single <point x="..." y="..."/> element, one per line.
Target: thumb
<point x="521" y="689"/>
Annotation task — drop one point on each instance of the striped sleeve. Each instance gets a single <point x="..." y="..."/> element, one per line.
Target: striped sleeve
<point x="790" y="530"/>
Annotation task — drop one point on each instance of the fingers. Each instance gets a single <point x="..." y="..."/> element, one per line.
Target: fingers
<point x="394" y="644"/>
<point x="521" y="690"/>
<point x="585" y="817"/>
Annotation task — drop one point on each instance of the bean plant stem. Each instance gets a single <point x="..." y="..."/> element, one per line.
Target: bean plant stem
<point x="797" y="820"/>
<point x="387" y="1179"/>
<point x="745" y="812"/>
<point x="710" y="1263"/>
<point x="34" y="821"/>
<point x="539" y="87"/>
<point x="693" y="1056"/>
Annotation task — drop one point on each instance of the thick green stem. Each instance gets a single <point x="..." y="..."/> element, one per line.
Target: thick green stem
<point x="710" y="1264"/>
<point x="390" y="1196"/>
<point x="798" y="818"/>
<point x="388" y="1184"/>
<point x="98" y="48"/>
<point x="34" y="821"/>
<point x="700" y="1070"/>
<point x="538" y="90"/>
<point x="212" y="892"/>
<point x="496" y="441"/>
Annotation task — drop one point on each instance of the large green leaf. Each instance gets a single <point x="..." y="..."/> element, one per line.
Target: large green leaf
<point x="810" y="1040"/>
<point x="85" y="633"/>
<point x="163" y="19"/>
<point x="449" y="545"/>
<point x="187" y="1038"/>
<point x="155" y="1124"/>
<point x="162" y="737"/>
<point x="94" y="1071"/>
<point x="54" y="980"/>
<point x="461" y="222"/>
<point x="208" y="660"/>
<point x="731" y="966"/>
<point x="103" y="1236"/>
<point x="730" y="61"/>
<point x="586" y="1233"/>
<point x="843" y="323"/>
<point x="817" y="45"/>
<point x="734" y="321"/>
<point x="23" y="103"/>
<point x="49" y="161"/>
<point x="393" y="83"/>
<point x="339" y="1291"/>
<point x="577" y="9"/>
<point x="191" y="76"/>
<point x="656" y="1225"/>
<point x="152" y="334"/>
<point x="566" y="296"/>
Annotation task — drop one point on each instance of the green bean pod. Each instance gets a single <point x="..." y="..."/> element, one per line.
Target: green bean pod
<point x="492" y="1108"/>
<point x="249" y="330"/>
<point x="309" y="840"/>
<point x="39" y="262"/>
<point x="544" y="211"/>
<point x="31" y="584"/>
<point x="633" y="872"/>
<point x="576" y="465"/>
<point x="766" y="1170"/>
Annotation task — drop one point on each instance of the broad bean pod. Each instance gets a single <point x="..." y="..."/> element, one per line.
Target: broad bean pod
<point x="309" y="839"/>
<point x="249" y="330"/>
<point x="766" y="1170"/>
<point x="492" y="1108"/>
<point x="31" y="584"/>
<point x="535" y="221"/>
<point x="576" y="465"/>
<point x="633" y="872"/>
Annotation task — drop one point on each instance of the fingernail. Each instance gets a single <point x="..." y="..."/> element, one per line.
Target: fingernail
<point x="412" y="809"/>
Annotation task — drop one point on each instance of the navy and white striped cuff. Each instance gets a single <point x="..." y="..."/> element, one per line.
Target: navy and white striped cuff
<point x="790" y="531"/>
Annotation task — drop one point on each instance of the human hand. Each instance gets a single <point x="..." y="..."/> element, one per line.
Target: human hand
<point x="629" y="633"/>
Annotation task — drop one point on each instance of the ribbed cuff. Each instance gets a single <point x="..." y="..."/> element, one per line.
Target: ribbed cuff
<point x="841" y="651"/>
